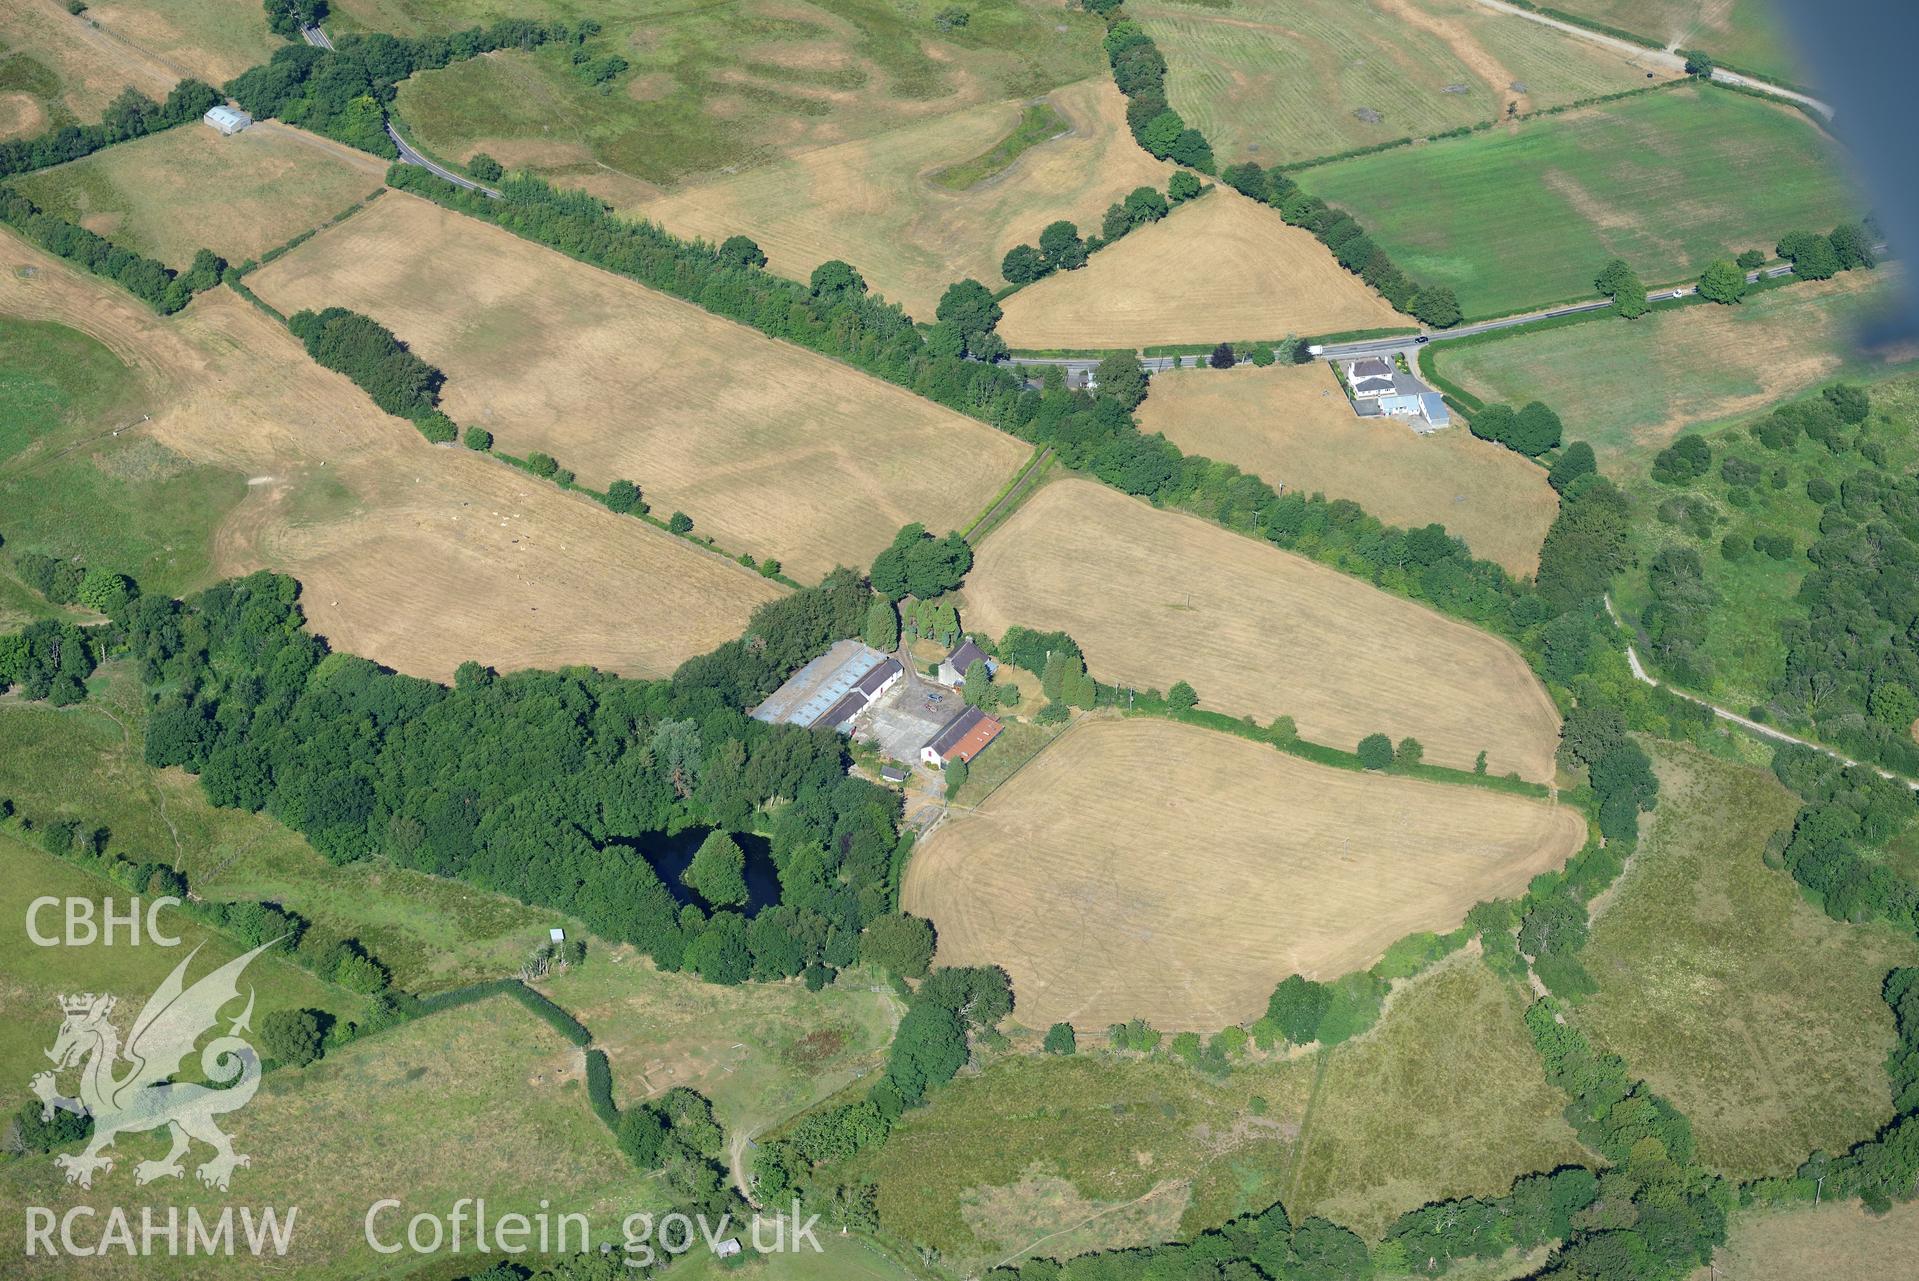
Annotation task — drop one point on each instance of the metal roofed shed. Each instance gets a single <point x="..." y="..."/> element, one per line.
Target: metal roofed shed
<point x="228" y="120"/>
<point x="831" y="689"/>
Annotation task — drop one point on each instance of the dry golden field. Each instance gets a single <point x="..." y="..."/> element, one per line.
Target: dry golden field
<point x="1221" y="268"/>
<point x="190" y="188"/>
<point x="1145" y="868"/>
<point x="414" y="556"/>
<point x="1292" y="426"/>
<point x="1155" y="597"/>
<point x="872" y="203"/>
<point x="771" y="449"/>
<point x="211" y="40"/>
<point x="1839" y="1241"/>
<point x="74" y="68"/>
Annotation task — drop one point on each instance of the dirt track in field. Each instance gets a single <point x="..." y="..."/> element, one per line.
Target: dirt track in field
<point x="773" y="450"/>
<point x="1155" y="597"/>
<point x="415" y="556"/>
<point x="1147" y="869"/>
<point x="1221" y="268"/>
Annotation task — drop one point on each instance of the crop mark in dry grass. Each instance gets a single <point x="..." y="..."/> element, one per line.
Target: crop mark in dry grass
<point x="1144" y="868"/>
<point x="414" y="556"/>
<point x="769" y="448"/>
<point x="870" y="202"/>
<point x="1269" y="633"/>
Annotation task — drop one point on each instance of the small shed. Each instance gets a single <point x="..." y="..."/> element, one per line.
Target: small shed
<point x="228" y="120"/>
<point x="728" y="1248"/>
<point x="894" y="773"/>
<point x="556" y="935"/>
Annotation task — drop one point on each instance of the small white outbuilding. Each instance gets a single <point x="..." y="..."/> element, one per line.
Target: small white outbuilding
<point x="228" y="120"/>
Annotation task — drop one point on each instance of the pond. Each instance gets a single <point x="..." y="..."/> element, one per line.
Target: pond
<point x="669" y="856"/>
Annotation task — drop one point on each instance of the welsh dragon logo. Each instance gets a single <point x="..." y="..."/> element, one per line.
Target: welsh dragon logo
<point x="127" y="1088"/>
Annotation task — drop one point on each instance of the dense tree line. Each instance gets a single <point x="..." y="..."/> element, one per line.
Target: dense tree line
<point x="148" y="279"/>
<point x="950" y="1006"/>
<point x="835" y="314"/>
<point x="1139" y="69"/>
<point x="345" y="92"/>
<point x="1531" y="430"/>
<point x="131" y="115"/>
<point x="1435" y="306"/>
<point x="1847" y="247"/>
<point x="549" y="786"/>
<point x="1848" y="815"/>
<point x="1062" y="249"/>
<point x="367" y="352"/>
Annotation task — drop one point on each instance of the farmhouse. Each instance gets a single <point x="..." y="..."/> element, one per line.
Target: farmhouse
<point x="962" y="738"/>
<point x="832" y="689"/>
<point x="1370" y="377"/>
<point x="953" y="670"/>
<point x="1380" y="389"/>
<point x="228" y="120"/>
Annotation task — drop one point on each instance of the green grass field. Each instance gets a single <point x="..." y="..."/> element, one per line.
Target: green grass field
<point x="1757" y="1015"/>
<point x="482" y="1101"/>
<point x="761" y="1051"/>
<point x="71" y="486"/>
<point x="35" y="976"/>
<point x="1742" y="32"/>
<point x="1757" y="594"/>
<point x="84" y="763"/>
<point x="1291" y="80"/>
<point x="1669" y="181"/>
<point x="1627" y="388"/>
<point x="1447" y="1098"/>
<point x="714" y="88"/>
<point x="1049" y="1155"/>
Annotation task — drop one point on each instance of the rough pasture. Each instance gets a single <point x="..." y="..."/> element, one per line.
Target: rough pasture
<point x="1756" y="1014"/>
<point x="414" y="556"/>
<point x="176" y="192"/>
<point x="1156" y="597"/>
<point x="1290" y="80"/>
<point x="1147" y="869"/>
<point x="1629" y="388"/>
<point x="1293" y="426"/>
<point x="1221" y="267"/>
<point x="712" y="89"/>
<point x="872" y="202"/>
<point x="1743" y="32"/>
<point x="771" y="449"/>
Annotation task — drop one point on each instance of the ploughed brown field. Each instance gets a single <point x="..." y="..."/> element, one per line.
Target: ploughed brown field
<point x="1155" y="597"/>
<point x="772" y="450"/>
<point x="1141" y="868"/>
